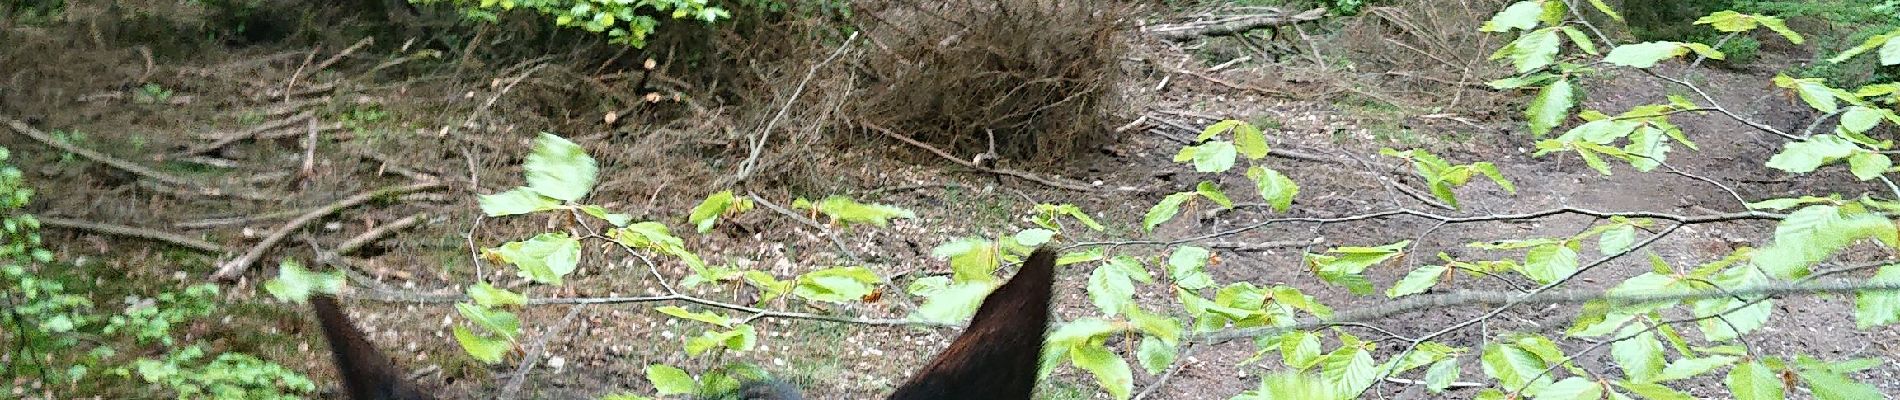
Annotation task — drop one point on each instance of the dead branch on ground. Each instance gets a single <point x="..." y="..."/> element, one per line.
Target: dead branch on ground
<point x="230" y="269"/>
<point x="1232" y="25"/>
<point x="134" y="232"/>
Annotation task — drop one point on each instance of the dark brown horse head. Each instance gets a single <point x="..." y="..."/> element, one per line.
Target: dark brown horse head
<point x="367" y="373"/>
<point x="996" y="357"/>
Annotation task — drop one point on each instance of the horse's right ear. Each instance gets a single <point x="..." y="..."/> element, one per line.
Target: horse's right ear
<point x="367" y="373"/>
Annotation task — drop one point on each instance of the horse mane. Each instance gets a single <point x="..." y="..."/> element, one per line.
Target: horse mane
<point x="367" y="373"/>
<point x="996" y="357"/>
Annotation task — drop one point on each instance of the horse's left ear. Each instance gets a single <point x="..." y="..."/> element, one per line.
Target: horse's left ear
<point x="367" y="373"/>
<point x="997" y="356"/>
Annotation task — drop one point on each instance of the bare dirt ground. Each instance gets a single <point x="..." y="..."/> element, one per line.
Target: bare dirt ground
<point x="392" y="127"/>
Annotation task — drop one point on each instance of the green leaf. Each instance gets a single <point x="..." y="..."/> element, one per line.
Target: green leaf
<point x="1889" y="52"/>
<point x="295" y="284"/>
<point x="1155" y="355"/>
<point x="704" y="316"/>
<point x="1550" y="263"/>
<point x="1351" y="369"/>
<point x="1276" y="189"/>
<point x="1034" y="236"/>
<point x="1815" y="232"/>
<point x="1187" y="267"/>
<point x="1299" y="350"/>
<point x="1616" y="240"/>
<point x="971" y="259"/>
<point x="1582" y="41"/>
<point x="1814" y="91"/>
<point x="850" y="212"/>
<point x="545" y="258"/>
<point x="954" y="303"/>
<point x="1166" y="329"/>
<point x="1534" y="50"/>
<point x="1689" y="367"/>
<point x="1646" y="54"/>
<point x="514" y="202"/>
<point x="1441" y="375"/>
<point x="1250" y="141"/>
<point x="1218" y="128"/>
<point x="836" y="285"/>
<point x="668" y="380"/>
<point x="1878" y="308"/>
<point x="1606" y="9"/>
<point x="1215" y="156"/>
<point x="1868" y="165"/>
<point x="488" y="295"/>
<point x="486" y="349"/>
<point x="1573" y="388"/>
<point x="1834" y="386"/>
<point x="742" y="338"/>
<point x="1417" y="281"/>
<point x="1111" y="285"/>
<point x="1164" y="211"/>
<point x="1213" y="192"/>
<point x="1653" y="391"/>
<point x="501" y="323"/>
<point x="1551" y="106"/>
<point x="1861" y="119"/>
<point x="611" y="218"/>
<point x="559" y="168"/>
<point x="1110" y="370"/>
<point x="708" y="211"/>
<point x="1491" y="171"/>
<point x="1807" y="155"/>
<point x="1345" y="266"/>
<point x="1640" y="355"/>
<point x="1514" y="367"/>
<point x="1754" y="381"/>
<point x="1520" y="15"/>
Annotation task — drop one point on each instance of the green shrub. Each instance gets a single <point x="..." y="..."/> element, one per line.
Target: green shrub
<point x="624" y="22"/>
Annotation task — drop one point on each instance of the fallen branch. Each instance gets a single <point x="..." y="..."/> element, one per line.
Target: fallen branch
<point x="1025" y="175"/>
<point x="1232" y="25"/>
<point x="374" y="234"/>
<point x="227" y="140"/>
<point x="134" y="232"/>
<point x="95" y="156"/>
<point x="230" y="269"/>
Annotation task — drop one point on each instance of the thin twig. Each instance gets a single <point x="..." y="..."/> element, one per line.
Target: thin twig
<point x="128" y="231"/>
<point x="230" y="269"/>
<point x="1075" y="186"/>
<point x="535" y="352"/>
<point x="1187" y="350"/>
<point x="377" y="233"/>
<point x="765" y="132"/>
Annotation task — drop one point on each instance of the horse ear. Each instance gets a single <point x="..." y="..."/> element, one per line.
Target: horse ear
<point x="367" y="373"/>
<point x="997" y="356"/>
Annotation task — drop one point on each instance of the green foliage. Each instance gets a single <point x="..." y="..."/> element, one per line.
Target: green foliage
<point x="48" y="313"/>
<point x="624" y="22"/>
<point x="233" y="376"/>
<point x="849" y="212"/>
<point x="1441" y="176"/>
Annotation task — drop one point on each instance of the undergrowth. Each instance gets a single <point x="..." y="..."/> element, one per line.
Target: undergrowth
<point x="66" y="335"/>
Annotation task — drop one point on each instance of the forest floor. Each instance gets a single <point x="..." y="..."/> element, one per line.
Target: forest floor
<point x="379" y="130"/>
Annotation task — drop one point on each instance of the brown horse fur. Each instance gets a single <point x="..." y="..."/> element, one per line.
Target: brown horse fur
<point x="367" y="373"/>
<point x="995" y="358"/>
